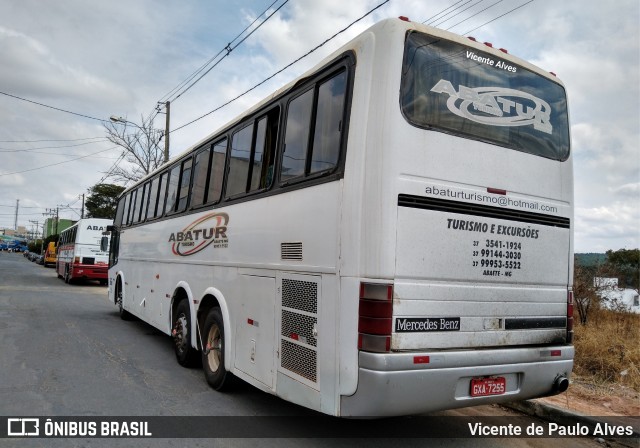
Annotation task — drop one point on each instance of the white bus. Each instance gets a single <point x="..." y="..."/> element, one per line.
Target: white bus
<point x="79" y="252"/>
<point x="389" y="234"/>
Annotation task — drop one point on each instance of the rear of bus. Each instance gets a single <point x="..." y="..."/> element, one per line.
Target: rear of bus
<point x="465" y="229"/>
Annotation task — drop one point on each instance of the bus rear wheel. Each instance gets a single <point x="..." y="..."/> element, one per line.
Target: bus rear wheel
<point x="213" y="352"/>
<point x="124" y="314"/>
<point x="186" y="355"/>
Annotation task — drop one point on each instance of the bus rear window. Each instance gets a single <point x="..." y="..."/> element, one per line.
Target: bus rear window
<point x="452" y="88"/>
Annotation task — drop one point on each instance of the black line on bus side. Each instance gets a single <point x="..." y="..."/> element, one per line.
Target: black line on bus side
<point x="465" y="208"/>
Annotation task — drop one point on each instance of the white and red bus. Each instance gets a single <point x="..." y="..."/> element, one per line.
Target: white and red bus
<point x="391" y="233"/>
<point x="79" y="253"/>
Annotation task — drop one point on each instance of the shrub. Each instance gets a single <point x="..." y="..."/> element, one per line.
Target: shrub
<point x="608" y="348"/>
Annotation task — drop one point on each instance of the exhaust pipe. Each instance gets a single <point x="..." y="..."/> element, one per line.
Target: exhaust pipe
<point x="560" y="384"/>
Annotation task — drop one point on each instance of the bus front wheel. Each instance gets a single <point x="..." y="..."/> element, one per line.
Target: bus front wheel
<point x="213" y="351"/>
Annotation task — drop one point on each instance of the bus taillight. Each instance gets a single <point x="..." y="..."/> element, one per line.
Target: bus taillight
<point x="375" y="317"/>
<point x="569" y="316"/>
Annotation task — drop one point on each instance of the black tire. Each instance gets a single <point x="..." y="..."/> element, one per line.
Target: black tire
<point x="124" y="314"/>
<point x="67" y="276"/>
<point x="213" y="352"/>
<point x="186" y="355"/>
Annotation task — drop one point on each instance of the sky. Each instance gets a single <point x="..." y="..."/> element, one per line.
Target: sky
<point x="67" y="65"/>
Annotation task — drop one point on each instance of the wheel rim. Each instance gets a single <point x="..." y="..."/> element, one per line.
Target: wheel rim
<point x="180" y="333"/>
<point x="214" y="346"/>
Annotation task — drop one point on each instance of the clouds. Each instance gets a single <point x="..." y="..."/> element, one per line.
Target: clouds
<point x="120" y="58"/>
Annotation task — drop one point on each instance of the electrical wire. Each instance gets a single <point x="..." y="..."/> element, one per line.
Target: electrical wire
<point x="171" y="96"/>
<point x="282" y="69"/>
<point x="228" y="48"/>
<point x="496" y="18"/>
<point x="474" y="15"/>
<point x="51" y="147"/>
<point x="59" y="163"/>
<point x="450" y="12"/>
<point x="458" y="13"/>
<point x="45" y="140"/>
<point x="426" y="22"/>
<point x="52" y="107"/>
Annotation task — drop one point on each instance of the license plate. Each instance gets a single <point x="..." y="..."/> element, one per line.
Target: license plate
<point x="482" y="387"/>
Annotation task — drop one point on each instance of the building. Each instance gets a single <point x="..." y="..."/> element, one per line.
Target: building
<point x="51" y="227"/>
<point x="617" y="299"/>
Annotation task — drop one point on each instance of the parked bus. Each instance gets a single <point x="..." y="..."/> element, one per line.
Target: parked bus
<point x="80" y="255"/>
<point x="50" y="254"/>
<point x="389" y="234"/>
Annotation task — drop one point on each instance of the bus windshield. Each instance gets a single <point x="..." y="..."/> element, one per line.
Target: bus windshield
<point x="456" y="89"/>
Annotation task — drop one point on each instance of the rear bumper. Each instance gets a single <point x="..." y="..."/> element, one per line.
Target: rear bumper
<point x="89" y="271"/>
<point x="412" y="383"/>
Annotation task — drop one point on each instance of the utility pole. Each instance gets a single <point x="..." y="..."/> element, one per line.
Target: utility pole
<point x="35" y="233"/>
<point x="167" y="107"/>
<point x="15" y="222"/>
<point x="82" y="210"/>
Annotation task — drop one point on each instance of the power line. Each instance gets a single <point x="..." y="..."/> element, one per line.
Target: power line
<point x="459" y="12"/>
<point x="282" y="69"/>
<point x="474" y="15"/>
<point x="441" y="12"/>
<point x="52" y="107"/>
<point x="168" y="96"/>
<point x="500" y="16"/>
<point x="449" y="12"/>
<point x="45" y="140"/>
<point x="51" y="147"/>
<point x="228" y="48"/>
<point x="59" y="163"/>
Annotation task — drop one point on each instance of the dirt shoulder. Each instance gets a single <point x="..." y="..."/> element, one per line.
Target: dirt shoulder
<point x="597" y="400"/>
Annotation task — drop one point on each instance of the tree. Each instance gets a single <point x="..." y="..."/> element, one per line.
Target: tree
<point x="626" y="263"/>
<point x="589" y="283"/>
<point x="102" y="200"/>
<point x="141" y="148"/>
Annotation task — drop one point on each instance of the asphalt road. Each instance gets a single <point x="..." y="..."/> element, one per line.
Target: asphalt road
<point x="65" y="352"/>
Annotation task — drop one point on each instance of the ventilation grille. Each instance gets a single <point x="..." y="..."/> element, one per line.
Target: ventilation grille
<point x="298" y="328"/>
<point x="300" y="295"/>
<point x="291" y="251"/>
<point x="300" y="360"/>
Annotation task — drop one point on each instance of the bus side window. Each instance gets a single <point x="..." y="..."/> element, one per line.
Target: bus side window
<point x="296" y="138"/>
<point x="200" y="171"/>
<point x="239" y="161"/>
<point x="139" y="204"/>
<point x="185" y="183"/>
<point x="216" y="174"/>
<point x="172" y="189"/>
<point x="119" y="210"/>
<point x="153" y="198"/>
<point x="145" y="202"/>
<point x="132" y="207"/>
<point x="313" y="132"/>
<point x="328" y="127"/>
<point x="161" y="195"/>
<point x="125" y="209"/>
<point x="264" y="151"/>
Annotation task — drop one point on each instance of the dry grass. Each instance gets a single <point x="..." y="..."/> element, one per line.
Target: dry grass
<point x="608" y="348"/>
